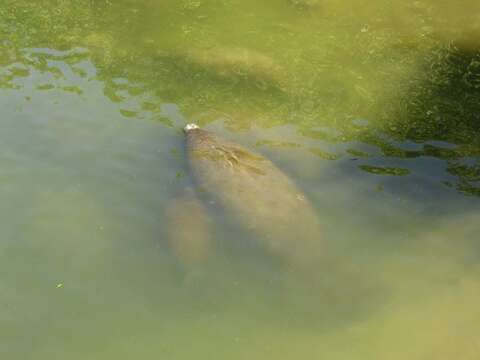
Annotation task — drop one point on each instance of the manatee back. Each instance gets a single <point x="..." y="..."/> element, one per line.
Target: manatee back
<point x="250" y="188"/>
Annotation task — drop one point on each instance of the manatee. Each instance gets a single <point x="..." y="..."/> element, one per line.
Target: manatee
<point x="250" y="189"/>
<point x="240" y="66"/>
<point x="304" y="4"/>
<point x="239" y="63"/>
<point x="189" y="229"/>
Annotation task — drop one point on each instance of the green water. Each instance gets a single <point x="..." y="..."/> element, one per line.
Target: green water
<point x="372" y="109"/>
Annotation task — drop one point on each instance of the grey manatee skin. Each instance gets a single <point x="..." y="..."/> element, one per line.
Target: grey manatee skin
<point x="189" y="230"/>
<point x="252" y="190"/>
<point x="304" y="4"/>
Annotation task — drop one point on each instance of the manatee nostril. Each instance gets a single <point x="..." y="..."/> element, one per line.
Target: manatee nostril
<point x="189" y="127"/>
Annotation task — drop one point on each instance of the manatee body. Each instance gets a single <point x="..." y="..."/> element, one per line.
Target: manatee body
<point x="189" y="229"/>
<point x="252" y="190"/>
<point x="304" y="4"/>
<point x="239" y="63"/>
<point x="234" y="66"/>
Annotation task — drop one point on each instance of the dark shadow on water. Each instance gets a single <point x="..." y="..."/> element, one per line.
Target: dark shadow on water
<point x="440" y="108"/>
<point x="443" y="103"/>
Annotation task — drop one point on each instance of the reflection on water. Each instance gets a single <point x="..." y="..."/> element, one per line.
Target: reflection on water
<point x="372" y="109"/>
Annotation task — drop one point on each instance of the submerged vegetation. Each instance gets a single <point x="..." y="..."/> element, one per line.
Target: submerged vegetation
<point x="410" y="76"/>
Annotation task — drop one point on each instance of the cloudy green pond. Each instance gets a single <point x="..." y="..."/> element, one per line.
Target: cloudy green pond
<point x="371" y="108"/>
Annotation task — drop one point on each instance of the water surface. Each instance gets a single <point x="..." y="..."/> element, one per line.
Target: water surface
<point x="372" y="109"/>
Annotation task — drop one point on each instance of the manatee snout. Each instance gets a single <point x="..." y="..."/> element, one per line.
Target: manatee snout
<point x="190" y="127"/>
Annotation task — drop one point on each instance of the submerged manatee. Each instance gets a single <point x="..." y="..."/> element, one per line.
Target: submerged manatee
<point x="230" y="66"/>
<point x="189" y="229"/>
<point x="240" y="64"/>
<point x="304" y="4"/>
<point x="260" y="197"/>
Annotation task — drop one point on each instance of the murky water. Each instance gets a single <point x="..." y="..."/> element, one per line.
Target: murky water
<point x="372" y="109"/>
